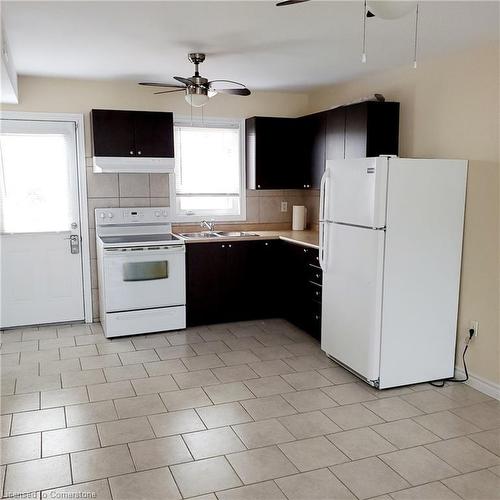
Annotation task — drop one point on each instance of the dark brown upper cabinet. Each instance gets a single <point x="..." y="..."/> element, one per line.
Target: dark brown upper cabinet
<point x="313" y="138"/>
<point x="335" y="134"/>
<point x="288" y="153"/>
<point x="272" y="158"/>
<point x="147" y="134"/>
<point x="371" y="129"/>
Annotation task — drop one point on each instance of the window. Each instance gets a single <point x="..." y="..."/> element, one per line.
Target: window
<point x="209" y="177"/>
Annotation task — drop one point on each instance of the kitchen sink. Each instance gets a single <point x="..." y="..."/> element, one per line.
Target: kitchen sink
<point x="236" y="234"/>
<point x="217" y="234"/>
<point x="202" y="234"/>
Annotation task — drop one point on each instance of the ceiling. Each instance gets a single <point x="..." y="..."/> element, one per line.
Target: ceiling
<point x="293" y="48"/>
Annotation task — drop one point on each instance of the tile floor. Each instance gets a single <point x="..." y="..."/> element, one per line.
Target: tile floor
<point x="240" y="411"/>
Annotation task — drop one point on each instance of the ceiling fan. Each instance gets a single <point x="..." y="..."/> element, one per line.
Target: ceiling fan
<point x="385" y="9"/>
<point x="198" y="90"/>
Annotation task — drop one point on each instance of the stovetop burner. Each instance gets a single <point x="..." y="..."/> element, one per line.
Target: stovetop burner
<point x="139" y="238"/>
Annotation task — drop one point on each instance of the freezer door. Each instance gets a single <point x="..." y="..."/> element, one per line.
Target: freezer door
<point x="352" y="295"/>
<point x="357" y="193"/>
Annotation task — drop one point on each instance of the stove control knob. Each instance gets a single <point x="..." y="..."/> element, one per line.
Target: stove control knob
<point x="102" y="216"/>
<point x="157" y="213"/>
<point x="110" y="215"/>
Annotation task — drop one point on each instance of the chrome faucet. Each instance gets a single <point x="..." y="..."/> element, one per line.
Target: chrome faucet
<point x="208" y="225"/>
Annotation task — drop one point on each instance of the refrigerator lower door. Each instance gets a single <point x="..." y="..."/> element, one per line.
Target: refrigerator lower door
<point x="357" y="191"/>
<point x="352" y="297"/>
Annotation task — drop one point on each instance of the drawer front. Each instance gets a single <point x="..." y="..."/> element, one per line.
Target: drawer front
<point x="313" y="292"/>
<point x="314" y="274"/>
<point x="314" y="320"/>
<point x="311" y="256"/>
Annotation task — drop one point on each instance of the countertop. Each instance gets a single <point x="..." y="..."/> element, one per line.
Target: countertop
<point x="306" y="238"/>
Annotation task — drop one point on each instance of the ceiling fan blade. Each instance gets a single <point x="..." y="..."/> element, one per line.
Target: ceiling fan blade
<point x="221" y="87"/>
<point x="185" y="81"/>
<point x="290" y="2"/>
<point x="154" y="84"/>
<point x="243" y="91"/>
<point x="169" y="91"/>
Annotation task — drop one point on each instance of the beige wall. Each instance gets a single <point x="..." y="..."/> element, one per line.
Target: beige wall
<point x="450" y="109"/>
<point x="57" y="95"/>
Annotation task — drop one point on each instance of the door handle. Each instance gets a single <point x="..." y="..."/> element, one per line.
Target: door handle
<point x="74" y="243"/>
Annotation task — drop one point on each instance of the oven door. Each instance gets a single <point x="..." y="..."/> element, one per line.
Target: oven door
<point x="144" y="278"/>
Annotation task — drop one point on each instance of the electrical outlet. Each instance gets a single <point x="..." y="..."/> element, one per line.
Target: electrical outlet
<point x="474" y="325"/>
<point x="284" y="206"/>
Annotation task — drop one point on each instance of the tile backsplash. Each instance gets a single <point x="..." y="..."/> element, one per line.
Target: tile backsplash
<point x="152" y="190"/>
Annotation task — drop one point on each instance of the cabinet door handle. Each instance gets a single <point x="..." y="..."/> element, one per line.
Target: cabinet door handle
<point x="131" y="152"/>
<point x="229" y="246"/>
<point x="139" y="152"/>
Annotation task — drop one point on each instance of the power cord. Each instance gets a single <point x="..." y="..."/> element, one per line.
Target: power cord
<point x="442" y="382"/>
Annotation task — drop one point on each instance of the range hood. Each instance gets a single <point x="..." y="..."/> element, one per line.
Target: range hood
<point x="134" y="165"/>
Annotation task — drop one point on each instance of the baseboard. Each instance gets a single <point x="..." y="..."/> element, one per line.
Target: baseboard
<point x="485" y="386"/>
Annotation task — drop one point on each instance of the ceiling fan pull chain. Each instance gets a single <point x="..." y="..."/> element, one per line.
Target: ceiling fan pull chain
<point x="363" y="55"/>
<point x="415" y="47"/>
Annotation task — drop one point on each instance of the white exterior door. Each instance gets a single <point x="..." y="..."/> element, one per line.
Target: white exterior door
<point x="41" y="260"/>
<point x="352" y="296"/>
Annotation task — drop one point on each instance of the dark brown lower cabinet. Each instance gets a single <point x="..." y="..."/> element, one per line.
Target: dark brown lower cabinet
<point x="231" y="281"/>
<point x="302" y="287"/>
<point x="247" y="280"/>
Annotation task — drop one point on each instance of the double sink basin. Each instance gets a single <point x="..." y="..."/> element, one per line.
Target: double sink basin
<point x="217" y="234"/>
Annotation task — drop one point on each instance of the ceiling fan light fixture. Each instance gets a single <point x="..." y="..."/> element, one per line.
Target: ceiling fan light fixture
<point x="196" y="96"/>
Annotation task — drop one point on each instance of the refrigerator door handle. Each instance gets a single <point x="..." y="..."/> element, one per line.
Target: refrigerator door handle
<point x="322" y="222"/>
<point x="322" y="247"/>
<point x="322" y="196"/>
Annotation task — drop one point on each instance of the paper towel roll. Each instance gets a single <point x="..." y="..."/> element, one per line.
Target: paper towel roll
<point x="299" y="216"/>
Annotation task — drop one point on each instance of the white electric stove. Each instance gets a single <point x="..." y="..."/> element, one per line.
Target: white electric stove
<point x="141" y="270"/>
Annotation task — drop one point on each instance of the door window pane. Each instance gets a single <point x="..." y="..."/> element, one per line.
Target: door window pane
<point x="35" y="181"/>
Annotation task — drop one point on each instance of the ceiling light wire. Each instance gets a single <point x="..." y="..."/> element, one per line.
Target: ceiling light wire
<point x="363" y="55"/>
<point x="415" y="46"/>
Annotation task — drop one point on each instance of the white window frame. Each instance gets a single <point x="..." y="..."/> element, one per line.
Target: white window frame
<point x="78" y="119"/>
<point x="180" y="121"/>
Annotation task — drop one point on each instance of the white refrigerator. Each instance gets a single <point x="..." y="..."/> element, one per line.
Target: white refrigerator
<point x="391" y="234"/>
